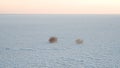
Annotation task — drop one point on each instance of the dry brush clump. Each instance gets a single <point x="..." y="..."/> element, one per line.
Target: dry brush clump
<point x="53" y="40"/>
<point x="79" y="41"/>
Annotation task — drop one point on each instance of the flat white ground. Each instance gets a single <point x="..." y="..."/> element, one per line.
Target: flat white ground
<point x="25" y="45"/>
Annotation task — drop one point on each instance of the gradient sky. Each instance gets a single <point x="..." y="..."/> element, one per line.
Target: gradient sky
<point x="59" y="6"/>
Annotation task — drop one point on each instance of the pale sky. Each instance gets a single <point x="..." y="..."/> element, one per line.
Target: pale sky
<point x="59" y="6"/>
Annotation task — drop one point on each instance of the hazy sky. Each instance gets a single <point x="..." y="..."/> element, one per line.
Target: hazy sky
<point x="59" y="6"/>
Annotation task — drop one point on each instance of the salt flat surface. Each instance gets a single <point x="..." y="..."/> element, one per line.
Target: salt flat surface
<point x="24" y="41"/>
